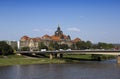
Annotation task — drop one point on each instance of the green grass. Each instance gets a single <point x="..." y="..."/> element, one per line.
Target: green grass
<point x="21" y="60"/>
<point x="4" y="62"/>
<point x="83" y="57"/>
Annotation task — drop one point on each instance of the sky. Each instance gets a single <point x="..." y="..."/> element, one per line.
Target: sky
<point x="93" y="20"/>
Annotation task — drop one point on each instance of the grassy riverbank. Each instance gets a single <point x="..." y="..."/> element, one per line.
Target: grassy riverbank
<point x="22" y="60"/>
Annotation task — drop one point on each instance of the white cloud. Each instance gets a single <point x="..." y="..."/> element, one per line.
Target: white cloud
<point x="36" y="30"/>
<point x="74" y="29"/>
<point x="48" y="30"/>
<point x="43" y="31"/>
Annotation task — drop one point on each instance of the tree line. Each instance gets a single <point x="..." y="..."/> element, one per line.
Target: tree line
<point x="88" y="45"/>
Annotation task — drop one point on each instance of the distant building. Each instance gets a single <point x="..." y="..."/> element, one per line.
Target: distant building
<point x="58" y="37"/>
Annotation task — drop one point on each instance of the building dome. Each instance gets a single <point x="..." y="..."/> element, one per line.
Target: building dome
<point x="58" y="32"/>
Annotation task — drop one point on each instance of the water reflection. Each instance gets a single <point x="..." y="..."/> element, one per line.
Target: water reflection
<point x="82" y="70"/>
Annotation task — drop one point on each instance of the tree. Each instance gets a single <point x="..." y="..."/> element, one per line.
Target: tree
<point x="5" y="49"/>
<point x="102" y="45"/>
<point x="81" y="45"/>
<point x="56" y="46"/>
<point x="94" y="46"/>
<point x="51" y="46"/>
<point x="73" y="46"/>
<point x="42" y="46"/>
<point x="63" y="46"/>
<point x="88" y="44"/>
<point x="25" y="49"/>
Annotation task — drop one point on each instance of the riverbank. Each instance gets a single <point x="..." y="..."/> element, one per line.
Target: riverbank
<point x="22" y="60"/>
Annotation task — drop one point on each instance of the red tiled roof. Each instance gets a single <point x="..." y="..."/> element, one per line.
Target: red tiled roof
<point x="46" y="37"/>
<point x="65" y="37"/>
<point x="76" y="40"/>
<point x="36" y="39"/>
<point x="25" y="37"/>
<point x="55" y="38"/>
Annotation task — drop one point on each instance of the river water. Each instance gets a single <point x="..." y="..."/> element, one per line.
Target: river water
<point x="82" y="70"/>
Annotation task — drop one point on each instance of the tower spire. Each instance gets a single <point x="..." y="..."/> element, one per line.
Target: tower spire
<point x="58" y="27"/>
<point x="58" y="32"/>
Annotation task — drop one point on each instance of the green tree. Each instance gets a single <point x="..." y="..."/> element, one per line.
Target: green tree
<point x="42" y="46"/>
<point x="81" y="45"/>
<point x="88" y="44"/>
<point x="94" y="46"/>
<point x="73" y="46"/>
<point x="25" y="49"/>
<point x="63" y="46"/>
<point x="51" y="46"/>
<point x="5" y="49"/>
<point x="56" y="46"/>
<point x="102" y="45"/>
<point x="110" y="46"/>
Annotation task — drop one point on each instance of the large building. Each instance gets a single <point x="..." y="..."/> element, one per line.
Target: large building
<point x="58" y="37"/>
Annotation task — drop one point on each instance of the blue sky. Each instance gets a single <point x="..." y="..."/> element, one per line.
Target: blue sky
<point x="94" y="20"/>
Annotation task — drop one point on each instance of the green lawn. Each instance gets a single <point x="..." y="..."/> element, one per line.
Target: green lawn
<point x="83" y="57"/>
<point x="87" y="57"/>
<point x="21" y="60"/>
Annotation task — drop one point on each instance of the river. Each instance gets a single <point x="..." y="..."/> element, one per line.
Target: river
<point x="82" y="70"/>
